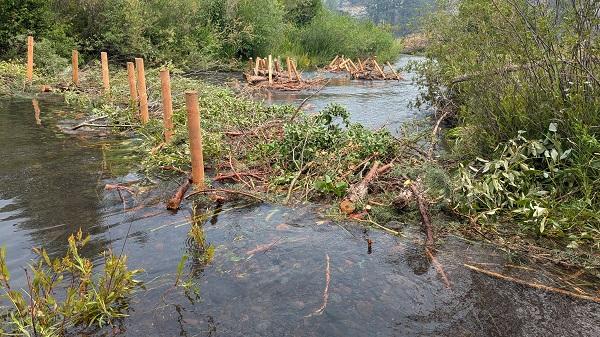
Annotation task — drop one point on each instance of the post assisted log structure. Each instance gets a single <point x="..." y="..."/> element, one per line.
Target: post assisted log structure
<point x="142" y="91"/>
<point x="29" y="59"/>
<point x="270" y="73"/>
<point x="368" y="69"/>
<point x="105" y="75"/>
<point x="195" y="135"/>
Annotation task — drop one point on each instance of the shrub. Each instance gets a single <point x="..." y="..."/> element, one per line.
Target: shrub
<point x="52" y="305"/>
<point x="331" y="34"/>
<point x="506" y="66"/>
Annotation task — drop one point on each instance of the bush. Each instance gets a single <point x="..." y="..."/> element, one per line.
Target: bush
<point x="508" y="66"/>
<point x="301" y="12"/>
<point x="330" y="34"/>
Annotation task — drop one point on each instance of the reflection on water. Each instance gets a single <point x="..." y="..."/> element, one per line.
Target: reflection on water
<point x="268" y="272"/>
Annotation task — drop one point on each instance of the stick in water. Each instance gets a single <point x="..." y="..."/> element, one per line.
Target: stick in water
<point x="325" y="291"/>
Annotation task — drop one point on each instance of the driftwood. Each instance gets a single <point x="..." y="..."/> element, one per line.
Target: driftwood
<point x="177" y="198"/>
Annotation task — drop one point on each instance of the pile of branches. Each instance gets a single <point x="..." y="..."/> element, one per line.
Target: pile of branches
<point x="367" y="69"/>
<point x="274" y="76"/>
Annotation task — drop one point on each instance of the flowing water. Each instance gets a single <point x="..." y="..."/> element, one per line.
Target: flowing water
<point x="268" y="273"/>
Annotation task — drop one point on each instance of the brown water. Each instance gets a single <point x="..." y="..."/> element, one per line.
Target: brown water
<point x="52" y="184"/>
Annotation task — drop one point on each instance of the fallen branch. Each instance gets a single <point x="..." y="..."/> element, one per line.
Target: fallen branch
<point x="424" y="211"/>
<point x="438" y="267"/>
<point x="435" y="132"/>
<point x="534" y="285"/>
<point x="359" y="191"/>
<point x="88" y="121"/>
<point x="223" y="190"/>
<point x="236" y="176"/>
<point x="325" y="291"/>
<point x="175" y="169"/>
<point x="306" y="100"/>
<point x="177" y="198"/>
<point x="105" y="125"/>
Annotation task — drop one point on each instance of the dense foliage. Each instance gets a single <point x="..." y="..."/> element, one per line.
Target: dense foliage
<point x="506" y="66"/>
<point x="190" y="33"/>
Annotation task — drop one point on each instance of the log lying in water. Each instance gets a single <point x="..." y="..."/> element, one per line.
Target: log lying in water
<point x="175" y="201"/>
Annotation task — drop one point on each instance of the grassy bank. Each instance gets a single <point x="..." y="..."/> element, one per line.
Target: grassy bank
<point x="521" y="81"/>
<point x="191" y="34"/>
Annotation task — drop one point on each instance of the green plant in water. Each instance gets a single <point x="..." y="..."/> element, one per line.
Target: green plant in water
<point x="64" y="294"/>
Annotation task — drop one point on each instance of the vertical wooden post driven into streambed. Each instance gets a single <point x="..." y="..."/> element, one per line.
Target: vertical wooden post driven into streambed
<point x="256" y="66"/>
<point x="288" y="66"/>
<point x="29" y="58"/>
<point x="141" y="86"/>
<point x="75" y="66"/>
<point x="270" y="69"/>
<point x="195" y="135"/>
<point x="132" y="87"/>
<point x="165" y="83"/>
<point x="105" y="76"/>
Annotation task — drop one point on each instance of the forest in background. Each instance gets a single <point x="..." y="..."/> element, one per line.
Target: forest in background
<point x="402" y="16"/>
<point x="189" y="33"/>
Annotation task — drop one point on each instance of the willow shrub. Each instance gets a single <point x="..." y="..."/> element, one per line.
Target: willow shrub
<point x="524" y="66"/>
<point x="330" y="34"/>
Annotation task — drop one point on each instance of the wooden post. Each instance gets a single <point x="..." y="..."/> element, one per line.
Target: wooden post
<point x="195" y="135"/>
<point x="353" y="65"/>
<point x="132" y="87"/>
<point x="256" y="66"/>
<point x="361" y="65"/>
<point x="29" y="58"/>
<point x="270" y="69"/>
<point x="333" y="61"/>
<point x="165" y="83"/>
<point x="378" y="68"/>
<point x="277" y="65"/>
<point x="394" y="71"/>
<point x="105" y="79"/>
<point x="75" y="65"/>
<point x="295" y="70"/>
<point x="141" y="86"/>
<point x="252" y="67"/>
<point x="288" y="67"/>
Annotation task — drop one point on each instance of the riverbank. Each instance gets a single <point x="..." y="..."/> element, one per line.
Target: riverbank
<point x="280" y="154"/>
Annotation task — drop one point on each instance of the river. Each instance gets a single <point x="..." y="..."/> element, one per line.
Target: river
<point x="268" y="274"/>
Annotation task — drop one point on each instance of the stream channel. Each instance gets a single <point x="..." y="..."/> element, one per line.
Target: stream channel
<point x="267" y="276"/>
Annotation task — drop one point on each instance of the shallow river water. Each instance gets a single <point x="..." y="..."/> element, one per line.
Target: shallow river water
<point x="268" y="273"/>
